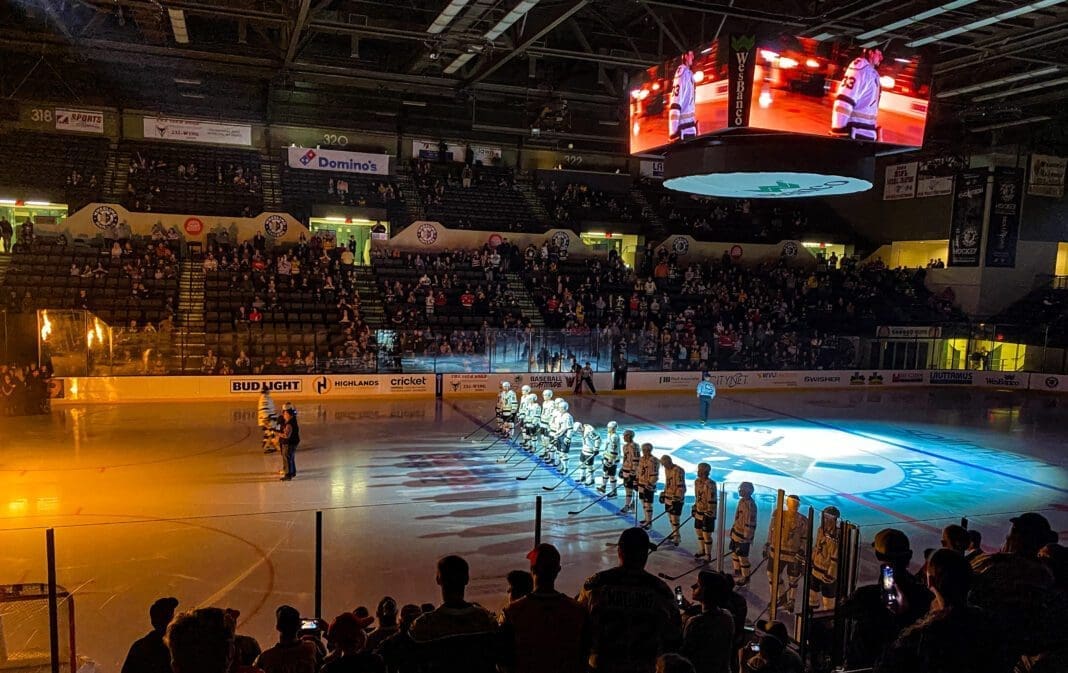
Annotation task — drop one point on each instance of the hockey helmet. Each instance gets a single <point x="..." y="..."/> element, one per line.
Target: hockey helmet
<point x="547" y="394"/>
<point x="563" y="406"/>
<point x="587" y="428"/>
<point x="559" y="401"/>
<point x="666" y="460"/>
<point x="288" y="406"/>
<point x="745" y="489"/>
<point x="628" y="434"/>
<point x="266" y="387"/>
<point x="612" y="425"/>
<point x="831" y="511"/>
<point x="525" y="390"/>
<point x="505" y="385"/>
<point x="577" y="427"/>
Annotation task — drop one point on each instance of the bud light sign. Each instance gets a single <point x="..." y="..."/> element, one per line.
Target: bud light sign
<point x="337" y="161"/>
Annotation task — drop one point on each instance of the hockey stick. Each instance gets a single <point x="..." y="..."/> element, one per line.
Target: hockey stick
<point x="681" y="524"/>
<point x="577" y="483"/>
<point x="553" y="487"/>
<point x="599" y="499"/>
<point x="642" y="525"/>
<point x="753" y="572"/>
<point x="703" y="564"/>
<point x="538" y="462"/>
<point x="492" y="444"/>
<point x="477" y="430"/>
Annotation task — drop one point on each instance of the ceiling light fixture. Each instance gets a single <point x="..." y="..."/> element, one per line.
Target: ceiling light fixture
<point x="181" y="33"/>
<point x="1008" y="79"/>
<point x="451" y="11"/>
<point x="1005" y="125"/>
<point x="915" y="18"/>
<point x="1022" y="89"/>
<point x="983" y="23"/>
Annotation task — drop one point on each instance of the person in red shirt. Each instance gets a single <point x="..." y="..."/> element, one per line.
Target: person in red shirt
<point x="467" y="300"/>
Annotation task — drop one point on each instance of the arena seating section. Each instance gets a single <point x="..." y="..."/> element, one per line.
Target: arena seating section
<point x="44" y="272"/>
<point x="573" y="203"/>
<point x="46" y="167"/>
<point x="492" y="202"/>
<point x="1040" y="317"/>
<point x="211" y="191"/>
<point x="302" y="188"/>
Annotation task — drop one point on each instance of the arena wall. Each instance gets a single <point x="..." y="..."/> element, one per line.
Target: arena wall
<point x="371" y="386"/>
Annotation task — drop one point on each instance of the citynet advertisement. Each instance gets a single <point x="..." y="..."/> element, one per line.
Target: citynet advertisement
<point x="785" y="83"/>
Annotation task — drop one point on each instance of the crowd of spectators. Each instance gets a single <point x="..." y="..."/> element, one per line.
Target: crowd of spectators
<point x="149" y="179"/>
<point x="352" y="191"/>
<point x="24" y="389"/>
<point x="575" y="202"/>
<point x="963" y="611"/>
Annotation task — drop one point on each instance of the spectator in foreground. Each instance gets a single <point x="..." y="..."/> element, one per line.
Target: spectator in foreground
<point x="775" y="655"/>
<point x="674" y="663"/>
<point x="201" y="641"/>
<point x="387" y="624"/>
<point x="546" y="630"/>
<point x="520" y="584"/>
<point x="953" y="635"/>
<point x="347" y="635"/>
<point x="875" y="624"/>
<point x="291" y="654"/>
<point x="398" y="650"/>
<point x="956" y="538"/>
<point x="708" y="638"/>
<point x="246" y="651"/>
<point x="150" y="654"/>
<point x="458" y="636"/>
<point x="633" y="616"/>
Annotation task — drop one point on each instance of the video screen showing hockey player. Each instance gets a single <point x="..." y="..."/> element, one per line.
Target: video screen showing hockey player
<point x="875" y="93"/>
<point x="679" y="100"/>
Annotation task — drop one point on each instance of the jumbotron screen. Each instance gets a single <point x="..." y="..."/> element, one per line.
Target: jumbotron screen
<point x="786" y="83"/>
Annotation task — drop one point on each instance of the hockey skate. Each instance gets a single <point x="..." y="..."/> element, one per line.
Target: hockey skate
<point x="612" y="493"/>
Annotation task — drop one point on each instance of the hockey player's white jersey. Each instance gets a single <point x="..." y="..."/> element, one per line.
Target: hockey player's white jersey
<point x="648" y="472"/>
<point x="631" y="457"/>
<point x="548" y="410"/>
<point x="591" y="443"/>
<point x="682" y="113"/>
<point x="744" y="528"/>
<point x="856" y="104"/>
<point x="825" y="554"/>
<point x="562" y="424"/>
<point x="704" y="498"/>
<point x="794" y="532"/>
<point x="674" y="484"/>
<point x="506" y="402"/>
<point x="265" y="410"/>
<point x="611" y="447"/>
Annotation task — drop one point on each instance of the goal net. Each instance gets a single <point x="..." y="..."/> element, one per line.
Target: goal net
<point x="24" y="630"/>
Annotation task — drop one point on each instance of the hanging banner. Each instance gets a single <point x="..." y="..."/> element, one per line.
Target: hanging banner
<point x="1004" y="218"/>
<point x="338" y="161"/>
<point x="1047" y="176"/>
<point x="652" y="168"/>
<point x="195" y="131"/>
<point x="900" y="181"/>
<point x="932" y="181"/>
<point x="966" y="222"/>
<point x="82" y="121"/>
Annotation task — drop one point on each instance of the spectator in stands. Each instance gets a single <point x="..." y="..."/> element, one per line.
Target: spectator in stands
<point x="774" y="654"/>
<point x="975" y="546"/>
<point x="352" y="653"/>
<point x="246" y="651"/>
<point x="210" y="362"/>
<point x="876" y="625"/>
<point x="386" y="615"/>
<point x="150" y="654"/>
<point x="520" y="584"/>
<point x="201" y="641"/>
<point x="633" y="614"/>
<point x="458" y="636"/>
<point x="546" y="630"/>
<point x="953" y="635"/>
<point x="399" y="650"/>
<point x="956" y="538"/>
<point x="6" y="232"/>
<point x="291" y="654"/>
<point x="708" y="638"/>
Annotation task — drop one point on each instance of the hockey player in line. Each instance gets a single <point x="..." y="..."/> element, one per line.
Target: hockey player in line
<point x="648" y="476"/>
<point x="506" y="408"/>
<point x="628" y="471"/>
<point x="825" y="560"/>
<point x="548" y="409"/>
<point x="792" y="550"/>
<point x="742" y="532"/>
<point x="528" y="411"/>
<point x="267" y="419"/>
<point x="610" y="460"/>
<point x="562" y="427"/>
<point x="591" y="448"/>
<point x="705" y="502"/>
<point x="673" y="495"/>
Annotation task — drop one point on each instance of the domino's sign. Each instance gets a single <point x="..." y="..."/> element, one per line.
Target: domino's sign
<point x="337" y="161"/>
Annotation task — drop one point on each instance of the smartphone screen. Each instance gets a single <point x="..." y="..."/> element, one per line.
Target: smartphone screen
<point x="678" y="596"/>
<point x="888" y="585"/>
<point x="308" y="625"/>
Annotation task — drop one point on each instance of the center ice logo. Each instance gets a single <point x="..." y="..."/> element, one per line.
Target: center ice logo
<point x="308" y="157"/>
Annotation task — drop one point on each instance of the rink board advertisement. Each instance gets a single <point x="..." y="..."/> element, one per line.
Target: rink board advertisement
<point x="1050" y="383"/>
<point x="782" y="83"/>
<point x="480" y="384"/>
<point x="190" y="388"/>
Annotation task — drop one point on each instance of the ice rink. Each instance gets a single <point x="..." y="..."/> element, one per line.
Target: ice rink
<point x="152" y="500"/>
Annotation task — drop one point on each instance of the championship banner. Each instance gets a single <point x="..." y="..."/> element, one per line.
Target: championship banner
<point x="338" y="161"/>
<point x="1004" y="218"/>
<point x="741" y="63"/>
<point x="966" y="222"/>
<point x="1047" y="176"/>
<point x="431" y="151"/>
<point x="900" y="181"/>
<point x="194" y="131"/>
<point x="81" y="121"/>
<point x="933" y="180"/>
<point x="651" y="168"/>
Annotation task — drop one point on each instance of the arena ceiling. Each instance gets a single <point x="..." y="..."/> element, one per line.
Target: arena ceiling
<point x="493" y="67"/>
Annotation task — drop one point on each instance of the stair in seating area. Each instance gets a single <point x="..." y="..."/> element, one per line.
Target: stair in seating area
<point x="649" y="213"/>
<point x="190" y="318"/>
<point x="371" y="309"/>
<point x="5" y="262"/>
<point x="117" y="174"/>
<point x="410" y="196"/>
<point x="526" y="303"/>
<point x="271" y="182"/>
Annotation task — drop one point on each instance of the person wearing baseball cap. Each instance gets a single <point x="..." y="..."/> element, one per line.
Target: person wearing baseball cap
<point x="877" y="622"/>
<point x="351" y="653"/>
<point x="545" y="630"/>
<point x="708" y="638"/>
<point x="150" y="654"/>
<point x="291" y="654"/>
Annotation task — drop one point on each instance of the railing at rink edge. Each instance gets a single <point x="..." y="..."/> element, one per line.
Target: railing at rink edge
<point x="79" y="343"/>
